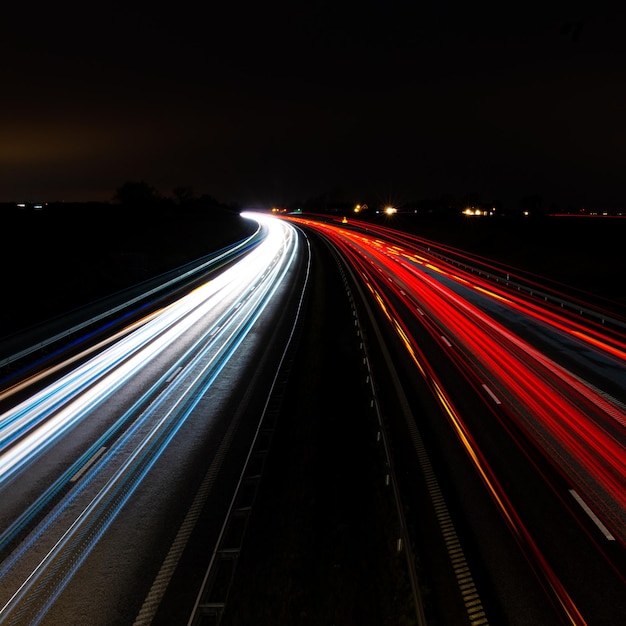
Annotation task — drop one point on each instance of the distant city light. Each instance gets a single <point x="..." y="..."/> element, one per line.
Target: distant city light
<point x="473" y="211"/>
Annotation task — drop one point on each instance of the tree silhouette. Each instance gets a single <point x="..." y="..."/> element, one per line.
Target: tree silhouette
<point x="183" y="195"/>
<point x="137" y="194"/>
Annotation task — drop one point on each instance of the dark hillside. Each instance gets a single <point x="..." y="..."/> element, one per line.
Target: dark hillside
<point x="67" y="255"/>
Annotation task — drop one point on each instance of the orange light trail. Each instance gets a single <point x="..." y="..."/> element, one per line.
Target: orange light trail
<point x="579" y="430"/>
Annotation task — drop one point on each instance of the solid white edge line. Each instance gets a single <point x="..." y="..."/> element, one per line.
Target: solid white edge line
<point x="603" y="529"/>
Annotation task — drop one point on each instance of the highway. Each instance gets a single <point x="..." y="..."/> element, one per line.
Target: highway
<point x="500" y="402"/>
<point x="103" y="454"/>
<point x="528" y="383"/>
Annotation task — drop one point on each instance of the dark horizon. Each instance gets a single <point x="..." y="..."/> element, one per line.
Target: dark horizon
<point x="334" y="202"/>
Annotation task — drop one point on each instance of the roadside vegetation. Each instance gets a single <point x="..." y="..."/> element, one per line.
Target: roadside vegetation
<point x="64" y="255"/>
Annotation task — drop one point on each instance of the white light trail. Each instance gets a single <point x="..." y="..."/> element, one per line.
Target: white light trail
<point x="34" y="424"/>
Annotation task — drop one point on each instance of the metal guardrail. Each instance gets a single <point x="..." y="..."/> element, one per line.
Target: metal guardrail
<point x="212" y="597"/>
<point x="601" y="316"/>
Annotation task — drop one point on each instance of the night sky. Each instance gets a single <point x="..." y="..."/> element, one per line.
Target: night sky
<point x="268" y="103"/>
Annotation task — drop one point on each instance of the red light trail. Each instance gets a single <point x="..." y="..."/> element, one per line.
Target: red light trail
<point x="578" y="429"/>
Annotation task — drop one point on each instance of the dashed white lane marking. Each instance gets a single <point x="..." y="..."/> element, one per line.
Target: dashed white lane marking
<point x="87" y="465"/>
<point x="493" y="395"/>
<point x="174" y="374"/>
<point x="603" y="529"/>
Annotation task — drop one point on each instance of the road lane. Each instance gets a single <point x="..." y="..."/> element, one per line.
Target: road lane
<point x="121" y="412"/>
<point x="574" y="425"/>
